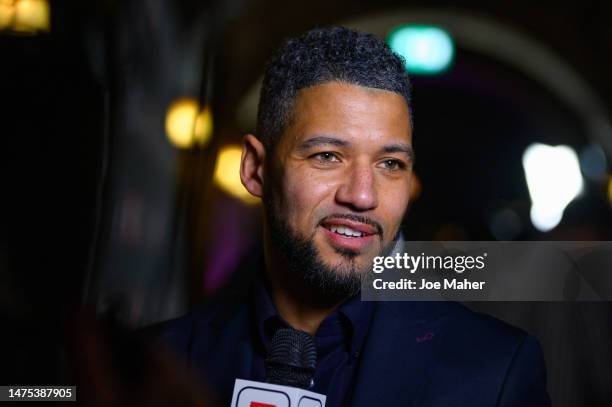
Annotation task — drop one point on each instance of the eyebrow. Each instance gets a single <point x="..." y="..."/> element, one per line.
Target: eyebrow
<point x="322" y="140"/>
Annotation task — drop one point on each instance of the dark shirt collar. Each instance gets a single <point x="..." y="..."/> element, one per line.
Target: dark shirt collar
<point x="351" y="320"/>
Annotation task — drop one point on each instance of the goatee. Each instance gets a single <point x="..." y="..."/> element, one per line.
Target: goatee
<point x="330" y="283"/>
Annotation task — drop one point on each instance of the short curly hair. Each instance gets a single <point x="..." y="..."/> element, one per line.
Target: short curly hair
<point x="319" y="56"/>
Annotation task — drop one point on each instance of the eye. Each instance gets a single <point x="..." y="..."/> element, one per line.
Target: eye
<point x="326" y="157"/>
<point x="393" y="165"/>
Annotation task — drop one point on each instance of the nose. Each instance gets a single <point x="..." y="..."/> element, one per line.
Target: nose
<point x="358" y="190"/>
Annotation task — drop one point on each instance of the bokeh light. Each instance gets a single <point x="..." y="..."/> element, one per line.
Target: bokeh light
<point x="203" y="126"/>
<point x="7" y="14"/>
<point x="227" y="174"/>
<point x="554" y="180"/>
<point x="186" y="125"/>
<point x="426" y="50"/>
<point x="25" y="16"/>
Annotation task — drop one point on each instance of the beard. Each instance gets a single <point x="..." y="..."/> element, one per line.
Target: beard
<point x="330" y="283"/>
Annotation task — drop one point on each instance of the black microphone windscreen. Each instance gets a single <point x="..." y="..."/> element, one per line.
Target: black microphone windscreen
<point x="292" y="359"/>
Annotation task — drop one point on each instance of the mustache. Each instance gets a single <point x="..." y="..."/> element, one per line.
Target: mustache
<point x="355" y="218"/>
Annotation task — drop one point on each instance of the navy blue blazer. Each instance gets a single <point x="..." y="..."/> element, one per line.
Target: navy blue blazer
<point x="434" y="354"/>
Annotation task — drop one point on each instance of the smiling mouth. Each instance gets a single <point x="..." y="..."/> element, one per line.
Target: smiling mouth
<point x="349" y="236"/>
<point x="346" y="231"/>
<point x="350" y="231"/>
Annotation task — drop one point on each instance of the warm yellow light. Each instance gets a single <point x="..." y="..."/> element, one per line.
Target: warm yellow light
<point x="203" y="126"/>
<point x="7" y="13"/>
<point x="227" y="174"/>
<point x="32" y="16"/>
<point x="185" y="126"/>
<point x="180" y="122"/>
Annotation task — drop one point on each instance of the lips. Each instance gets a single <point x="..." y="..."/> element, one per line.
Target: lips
<point x="346" y="231"/>
<point x="349" y="227"/>
<point x="349" y="234"/>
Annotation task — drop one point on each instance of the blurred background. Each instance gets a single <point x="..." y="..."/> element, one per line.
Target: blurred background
<point x="121" y="124"/>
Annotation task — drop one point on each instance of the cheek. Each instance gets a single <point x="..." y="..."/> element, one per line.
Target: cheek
<point x="306" y="195"/>
<point x="393" y="203"/>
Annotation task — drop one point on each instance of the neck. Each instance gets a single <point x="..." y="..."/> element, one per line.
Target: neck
<point x="298" y="305"/>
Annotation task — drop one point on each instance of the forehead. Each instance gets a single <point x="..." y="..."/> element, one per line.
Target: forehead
<point x="350" y="111"/>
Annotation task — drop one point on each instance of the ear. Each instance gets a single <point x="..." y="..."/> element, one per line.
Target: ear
<point x="252" y="165"/>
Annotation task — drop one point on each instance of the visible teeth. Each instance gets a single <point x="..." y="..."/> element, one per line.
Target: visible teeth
<point x="343" y="230"/>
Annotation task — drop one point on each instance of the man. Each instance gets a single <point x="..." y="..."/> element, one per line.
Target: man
<point x="332" y="162"/>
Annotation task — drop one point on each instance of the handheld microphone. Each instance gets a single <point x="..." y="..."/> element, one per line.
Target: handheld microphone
<point x="292" y="359"/>
<point x="290" y="368"/>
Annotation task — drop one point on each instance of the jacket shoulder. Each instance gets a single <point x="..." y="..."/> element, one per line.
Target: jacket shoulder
<point x="483" y="323"/>
<point x="178" y="333"/>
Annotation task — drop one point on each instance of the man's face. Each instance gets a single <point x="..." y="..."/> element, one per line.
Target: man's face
<point x="341" y="174"/>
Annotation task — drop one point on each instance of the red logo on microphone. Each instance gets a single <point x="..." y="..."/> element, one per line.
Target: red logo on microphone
<point x="256" y="404"/>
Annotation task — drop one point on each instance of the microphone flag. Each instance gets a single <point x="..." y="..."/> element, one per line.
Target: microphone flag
<point x="248" y="393"/>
